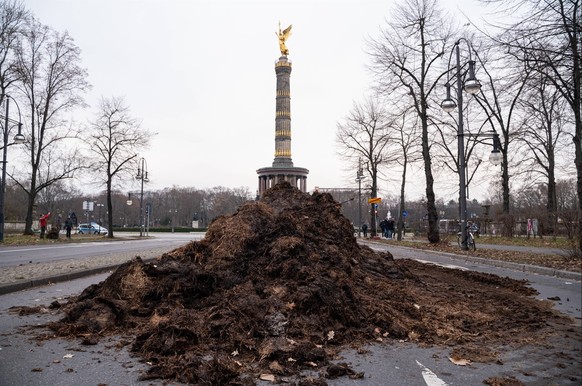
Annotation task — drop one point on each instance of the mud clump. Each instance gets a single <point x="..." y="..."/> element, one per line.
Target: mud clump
<point x="279" y="287"/>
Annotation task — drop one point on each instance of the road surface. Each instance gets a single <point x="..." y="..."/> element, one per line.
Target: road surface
<point x="46" y="253"/>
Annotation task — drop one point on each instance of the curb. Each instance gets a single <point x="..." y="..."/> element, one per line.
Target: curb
<point x="520" y="267"/>
<point x="28" y="284"/>
<point x="48" y="280"/>
<point x="503" y="264"/>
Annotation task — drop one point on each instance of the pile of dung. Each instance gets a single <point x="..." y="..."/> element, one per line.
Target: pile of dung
<point x="278" y="288"/>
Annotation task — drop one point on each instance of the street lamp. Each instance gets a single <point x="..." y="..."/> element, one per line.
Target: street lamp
<point x="142" y="174"/>
<point x="472" y="86"/>
<point x="359" y="178"/>
<point x="18" y="139"/>
<point x="496" y="157"/>
<point x="173" y="213"/>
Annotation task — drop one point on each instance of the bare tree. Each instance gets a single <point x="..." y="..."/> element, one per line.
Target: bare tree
<point x="545" y="136"/>
<point x="407" y="141"/>
<point x="506" y="81"/>
<point x="51" y="80"/>
<point x="115" y="140"/>
<point x="365" y="134"/>
<point x="545" y="132"/>
<point x="405" y="61"/>
<point x="187" y="204"/>
<point x="223" y="201"/>
<point x="547" y="38"/>
<point x="13" y="18"/>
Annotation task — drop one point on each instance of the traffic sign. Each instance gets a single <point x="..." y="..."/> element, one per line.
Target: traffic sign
<point x="374" y="200"/>
<point x="404" y="213"/>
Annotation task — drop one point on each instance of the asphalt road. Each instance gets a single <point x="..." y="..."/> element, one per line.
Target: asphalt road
<point x="24" y="361"/>
<point x="46" y="253"/>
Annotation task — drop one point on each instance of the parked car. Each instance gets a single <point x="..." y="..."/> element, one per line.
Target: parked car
<point x="91" y="229"/>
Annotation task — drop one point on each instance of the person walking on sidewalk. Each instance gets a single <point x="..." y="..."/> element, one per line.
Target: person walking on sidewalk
<point x="390" y="228"/>
<point x="68" y="226"/>
<point x="43" y="222"/>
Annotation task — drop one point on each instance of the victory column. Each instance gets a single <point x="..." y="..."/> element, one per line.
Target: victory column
<point x="282" y="169"/>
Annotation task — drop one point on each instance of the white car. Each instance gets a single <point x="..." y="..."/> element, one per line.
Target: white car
<point x="91" y="229"/>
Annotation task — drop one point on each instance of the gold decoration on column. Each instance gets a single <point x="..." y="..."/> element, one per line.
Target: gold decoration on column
<point x="283" y="36"/>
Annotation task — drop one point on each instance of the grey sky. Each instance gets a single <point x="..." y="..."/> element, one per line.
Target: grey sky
<point x="201" y="75"/>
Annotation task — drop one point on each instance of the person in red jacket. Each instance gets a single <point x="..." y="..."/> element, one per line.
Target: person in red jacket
<point x="43" y="222"/>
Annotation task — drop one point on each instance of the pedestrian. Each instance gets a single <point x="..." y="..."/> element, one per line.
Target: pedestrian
<point x="43" y="222"/>
<point x="389" y="228"/>
<point x="68" y="226"/>
<point x="365" y="229"/>
<point x="383" y="226"/>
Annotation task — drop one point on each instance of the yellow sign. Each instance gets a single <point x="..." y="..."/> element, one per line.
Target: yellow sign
<point x="375" y="200"/>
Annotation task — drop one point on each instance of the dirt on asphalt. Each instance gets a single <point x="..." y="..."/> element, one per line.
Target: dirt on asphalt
<point x="281" y="286"/>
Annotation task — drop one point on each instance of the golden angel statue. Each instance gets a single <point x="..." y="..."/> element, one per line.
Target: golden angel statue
<point x="283" y="36"/>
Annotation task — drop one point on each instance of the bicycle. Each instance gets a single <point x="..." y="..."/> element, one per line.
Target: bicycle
<point x="470" y="239"/>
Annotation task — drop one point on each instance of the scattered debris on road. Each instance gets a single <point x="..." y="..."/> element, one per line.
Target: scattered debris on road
<point x="281" y="286"/>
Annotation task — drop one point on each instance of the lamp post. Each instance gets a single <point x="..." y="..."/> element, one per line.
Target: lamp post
<point x="18" y="138"/>
<point x="472" y="86"/>
<point x="129" y="202"/>
<point x="173" y="213"/>
<point x="142" y="174"/>
<point x="100" y="222"/>
<point x="359" y="178"/>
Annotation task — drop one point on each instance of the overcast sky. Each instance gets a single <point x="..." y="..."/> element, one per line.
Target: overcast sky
<point x="201" y="75"/>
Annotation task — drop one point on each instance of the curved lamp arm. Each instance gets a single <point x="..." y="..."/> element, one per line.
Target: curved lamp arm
<point x="19" y="137"/>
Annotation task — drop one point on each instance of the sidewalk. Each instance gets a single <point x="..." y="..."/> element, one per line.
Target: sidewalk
<point x="499" y="263"/>
<point x="32" y="275"/>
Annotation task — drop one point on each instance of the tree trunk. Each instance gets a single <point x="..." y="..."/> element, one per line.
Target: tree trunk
<point x="578" y="150"/>
<point x="507" y="224"/>
<point x="433" y="228"/>
<point x="577" y="140"/>
<point x="29" y="215"/>
<point x="109" y="210"/>
<point x="402" y="205"/>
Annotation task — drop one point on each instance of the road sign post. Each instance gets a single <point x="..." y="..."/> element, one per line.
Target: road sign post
<point x="374" y="201"/>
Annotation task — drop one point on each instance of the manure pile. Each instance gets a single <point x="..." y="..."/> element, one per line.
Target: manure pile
<point x="282" y="285"/>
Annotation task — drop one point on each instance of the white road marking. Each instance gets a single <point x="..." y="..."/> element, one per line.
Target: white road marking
<point x="429" y="377"/>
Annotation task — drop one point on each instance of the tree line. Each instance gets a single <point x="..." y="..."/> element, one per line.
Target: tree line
<point x="527" y="58"/>
<point x="529" y="68"/>
<point x="175" y="206"/>
<point x="41" y="73"/>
